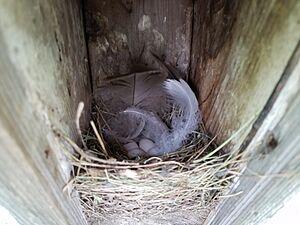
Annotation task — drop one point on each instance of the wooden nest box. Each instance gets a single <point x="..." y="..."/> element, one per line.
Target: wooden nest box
<point x="240" y="57"/>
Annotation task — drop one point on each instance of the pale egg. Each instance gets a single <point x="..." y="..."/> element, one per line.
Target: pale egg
<point x="133" y="150"/>
<point x="146" y="144"/>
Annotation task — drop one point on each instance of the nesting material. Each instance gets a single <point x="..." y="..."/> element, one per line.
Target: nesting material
<point x="192" y="179"/>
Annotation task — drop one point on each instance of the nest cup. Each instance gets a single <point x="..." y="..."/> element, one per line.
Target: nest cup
<point x="190" y="181"/>
<point x="56" y="54"/>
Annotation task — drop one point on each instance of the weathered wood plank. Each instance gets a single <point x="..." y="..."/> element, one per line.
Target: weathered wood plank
<point x="121" y="34"/>
<point x="272" y="175"/>
<point x="43" y="77"/>
<point x="239" y="52"/>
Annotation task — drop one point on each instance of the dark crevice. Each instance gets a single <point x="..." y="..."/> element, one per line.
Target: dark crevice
<point x="191" y="42"/>
<point x="190" y="69"/>
<point x="86" y="45"/>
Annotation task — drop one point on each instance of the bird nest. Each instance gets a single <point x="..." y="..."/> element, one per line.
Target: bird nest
<point x="192" y="180"/>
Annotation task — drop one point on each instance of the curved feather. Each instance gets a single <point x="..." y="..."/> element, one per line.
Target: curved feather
<point x="184" y="121"/>
<point x="182" y="96"/>
<point x="138" y="101"/>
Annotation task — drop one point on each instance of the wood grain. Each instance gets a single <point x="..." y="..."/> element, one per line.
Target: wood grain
<point x="272" y="175"/>
<point x="121" y="34"/>
<point x="239" y="52"/>
<point x="43" y="77"/>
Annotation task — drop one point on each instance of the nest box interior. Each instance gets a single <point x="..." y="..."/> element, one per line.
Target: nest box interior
<point x="56" y="54"/>
<point x="204" y="40"/>
<point x="121" y="35"/>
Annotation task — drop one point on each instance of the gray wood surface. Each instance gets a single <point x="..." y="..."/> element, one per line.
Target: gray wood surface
<point x="43" y="77"/>
<point x="272" y="175"/>
<point x="239" y="52"/>
<point x="121" y="35"/>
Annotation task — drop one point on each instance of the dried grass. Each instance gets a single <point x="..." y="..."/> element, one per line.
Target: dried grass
<point x="192" y="179"/>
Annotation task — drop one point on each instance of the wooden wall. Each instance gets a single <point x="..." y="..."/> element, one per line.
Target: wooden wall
<point x="245" y="62"/>
<point x="239" y="52"/>
<point x="44" y="74"/>
<point x="121" y="34"/>
<point x="235" y="53"/>
<point x="271" y="177"/>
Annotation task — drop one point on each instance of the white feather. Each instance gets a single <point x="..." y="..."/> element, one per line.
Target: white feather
<point x="184" y="122"/>
<point x="139" y="105"/>
<point x="182" y="95"/>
